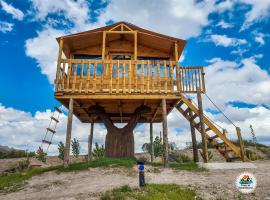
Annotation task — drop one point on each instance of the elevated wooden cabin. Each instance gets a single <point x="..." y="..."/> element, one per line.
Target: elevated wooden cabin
<point x="121" y="67"/>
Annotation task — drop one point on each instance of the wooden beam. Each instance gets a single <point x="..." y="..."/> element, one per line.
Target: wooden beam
<point x="151" y="142"/>
<point x="59" y="63"/>
<point x="242" y="148"/>
<point x="103" y="45"/>
<point x="193" y="138"/>
<point x="202" y="126"/>
<point x="90" y="141"/>
<point x="176" y="52"/>
<point x="165" y="134"/>
<point x="68" y="134"/>
<point x="135" y="45"/>
<point x="154" y="116"/>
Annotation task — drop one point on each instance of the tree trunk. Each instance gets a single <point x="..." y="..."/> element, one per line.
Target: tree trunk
<point x="119" y="141"/>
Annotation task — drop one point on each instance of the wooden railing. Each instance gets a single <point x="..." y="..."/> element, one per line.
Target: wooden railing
<point x="127" y="76"/>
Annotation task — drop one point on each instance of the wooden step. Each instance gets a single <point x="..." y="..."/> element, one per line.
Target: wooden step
<point x="49" y="129"/>
<point x="57" y="109"/>
<point x="213" y="137"/>
<point x="186" y="111"/>
<point x="56" y="120"/>
<point x="46" y="141"/>
<point x="208" y="129"/>
<point x="220" y="144"/>
<point x="193" y="117"/>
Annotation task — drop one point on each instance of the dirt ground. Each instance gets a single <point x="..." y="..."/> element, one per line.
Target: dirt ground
<point x="89" y="184"/>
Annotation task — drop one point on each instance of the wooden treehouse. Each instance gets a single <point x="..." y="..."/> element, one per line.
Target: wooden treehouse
<point x="122" y="73"/>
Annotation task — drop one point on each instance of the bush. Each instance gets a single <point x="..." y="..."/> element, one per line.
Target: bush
<point x="179" y="157"/>
<point x="13" y="153"/>
<point x="75" y="147"/>
<point x="41" y="155"/>
<point x="99" y="151"/>
<point x="210" y="155"/>
<point x="61" y="150"/>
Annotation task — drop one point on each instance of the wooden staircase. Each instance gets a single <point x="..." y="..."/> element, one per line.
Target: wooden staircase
<point x="225" y="147"/>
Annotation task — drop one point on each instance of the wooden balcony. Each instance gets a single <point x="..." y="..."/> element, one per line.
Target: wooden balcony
<point x="126" y="77"/>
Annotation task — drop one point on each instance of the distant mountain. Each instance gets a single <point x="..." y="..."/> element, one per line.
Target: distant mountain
<point x="5" y="149"/>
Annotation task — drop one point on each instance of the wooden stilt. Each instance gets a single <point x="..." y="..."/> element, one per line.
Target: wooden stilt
<point x="242" y="148"/>
<point x="68" y="135"/>
<point x="193" y="138"/>
<point x="202" y="127"/>
<point x="90" y="141"/>
<point x="151" y="141"/>
<point x="165" y="134"/>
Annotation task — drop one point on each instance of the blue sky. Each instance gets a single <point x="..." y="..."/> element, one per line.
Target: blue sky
<point x="230" y="37"/>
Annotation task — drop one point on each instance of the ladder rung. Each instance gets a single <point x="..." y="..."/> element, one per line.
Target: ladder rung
<point x="49" y="129"/>
<point x="193" y="117"/>
<point x="46" y="141"/>
<point x="198" y="125"/>
<point x="213" y="137"/>
<point x="180" y="103"/>
<point x="219" y="144"/>
<point x="57" y="109"/>
<point x="53" y="118"/>
<point x="186" y="111"/>
<point x="208" y="129"/>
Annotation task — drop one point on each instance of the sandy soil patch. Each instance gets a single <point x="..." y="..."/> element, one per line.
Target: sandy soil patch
<point x="90" y="183"/>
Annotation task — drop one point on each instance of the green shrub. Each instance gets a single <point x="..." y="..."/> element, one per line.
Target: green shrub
<point x="75" y="147"/>
<point x="61" y="150"/>
<point x="210" y="155"/>
<point x="41" y="155"/>
<point x="99" y="151"/>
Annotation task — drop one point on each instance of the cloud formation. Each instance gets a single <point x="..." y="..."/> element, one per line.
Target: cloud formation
<point x="15" y="12"/>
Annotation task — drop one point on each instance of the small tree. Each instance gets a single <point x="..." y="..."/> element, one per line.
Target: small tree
<point x="75" y="147"/>
<point x="254" y="140"/>
<point x="99" y="151"/>
<point x="61" y="150"/>
<point x="41" y="155"/>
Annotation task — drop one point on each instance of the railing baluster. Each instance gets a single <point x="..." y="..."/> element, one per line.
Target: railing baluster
<point x="142" y="76"/>
<point x="136" y="75"/>
<point x="203" y="82"/>
<point x="74" y="77"/>
<point x="148" y="76"/>
<point x="171" y="76"/>
<point x="159" y="82"/>
<point x="68" y="75"/>
<point x="200" y="85"/>
<point x="165" y="76"/>
<point x="111" y="77"/>
<point x="196" y="78"/>
<point x="117" y="76"/>
<point x="88" y="77"/>
<point x="81" y="76"/>
<point x="95" y="77"/>
<point x="124" y="77"/>
<point x="153" y="77"/>
<point x="63" y="76"/>
<point x="129" y="76"/>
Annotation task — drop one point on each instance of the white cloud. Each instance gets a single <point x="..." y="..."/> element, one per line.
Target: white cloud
<point x="15" y="12"/>
<point x="6" y="27"/>
<point x="77" y="12"/>
<point x="223" y="40"/>
<point x="44" y="49"/>
<point x="258" y="12"/>
<point x="224" y="25"/>
<point x="229" y="81"/>
<point x="260" y="37"/>
<point x="180" y="18"/>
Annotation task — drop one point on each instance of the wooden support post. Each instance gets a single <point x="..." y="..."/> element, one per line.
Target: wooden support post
<point x="103" y="45"/>
<point x="135" y="45"/>
<point x="165" y="134"/>
<point x="202" y="127"/>
<point x="90" y="141"/>
<point x="193" y="138"/>
<point x="68" y="135"/>
<point x="242" y="148"/>
<point x="151" y="141"/>
<point x="59" y="64"/>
